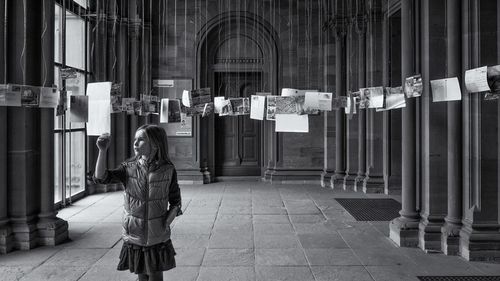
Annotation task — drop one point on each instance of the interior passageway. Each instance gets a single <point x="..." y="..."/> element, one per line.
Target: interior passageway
<point x="241" y="231"/>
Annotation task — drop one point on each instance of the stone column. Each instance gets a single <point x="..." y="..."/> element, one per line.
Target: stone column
<point x="51" y="229"/>
<point x="373" y="180"/>
<point x="352" y="130"/>
<point x="5" y="229"/>
<point x="30" y="172"/>
<point x="433" y="128"/>
<point x="329" y="120"/>
<point x="480" y="235"/>
<point x="337" y="180"/>
<point x="361" y="31"/>
<point x="451" y="229"/>
<point x="404" y="229"/>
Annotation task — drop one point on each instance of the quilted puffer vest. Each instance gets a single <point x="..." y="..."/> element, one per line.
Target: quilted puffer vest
<point x="146" y="202"/>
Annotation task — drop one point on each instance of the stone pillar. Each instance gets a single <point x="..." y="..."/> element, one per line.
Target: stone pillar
<point x="451" y="229"/>
<point x="404" y="229"/>
<point x="329" y="121"/>
<point x="433" y="128"/>
<point x="361" y="31"/>
<point x="337" y="180"/>
<point x="30" y="172"/>
<point x="352" y="130"/>
<point x="480" y="235"/>
<point x="373" y="180"/>
<point x="51" y="229"/>
<point x="5" y="229"/>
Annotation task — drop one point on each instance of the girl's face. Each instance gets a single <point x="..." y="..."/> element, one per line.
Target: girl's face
<point x="142" y="147"/>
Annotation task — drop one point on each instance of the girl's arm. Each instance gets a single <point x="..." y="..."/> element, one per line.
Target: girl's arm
<point x="100" y="166"/>
<point x="174" y="199"/>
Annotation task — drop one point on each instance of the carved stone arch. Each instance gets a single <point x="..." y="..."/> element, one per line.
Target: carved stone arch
<point x="217" y="31"/>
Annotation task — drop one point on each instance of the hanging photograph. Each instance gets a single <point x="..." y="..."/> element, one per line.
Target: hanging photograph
<point x="363" y="97"/>
<point x="493" y="77"/>
<point x="339" y="102"/>
<point x="286" y="105"/>
<point x="314" y="101"/>
<point x="9" y="97"/>
<point x="376" y="97"/>
<point x="241" y="106"/>
<point x="226" y="108"/>
<point x="30" y="96"/>
<point x="257" y="107"/>
<point x="128" y="105"/>
<point x="413" y="86"/>
<point x="476" y="80"/>
<point x="49" y="97"/>
<point x="394" y="98"/>
<point x="446" y="90"/>
<point x="208" y="108"/>
<point x="116" y="102"/>
<point x="196" y="97"/>
<point x="218" y="102"/>
<point x="271" y="108"/>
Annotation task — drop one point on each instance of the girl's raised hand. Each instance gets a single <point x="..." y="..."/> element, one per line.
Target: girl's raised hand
<point x="103" y="141"/>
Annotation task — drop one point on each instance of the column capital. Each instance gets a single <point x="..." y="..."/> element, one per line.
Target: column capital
<point x="360" y="23"/>
<point x="339" y="24"/>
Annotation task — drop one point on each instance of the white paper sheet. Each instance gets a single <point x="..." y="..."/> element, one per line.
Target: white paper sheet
<point x="49" y="97"/>
<point x="292" y="123"/>
<point x="186" y="98"/>
<point x="257" y="107"/>
<point x="164" y="111"/>
<point x="476" y="80"/>
<point x="446" y="90"/>
<point x="99" y="108"/>
<point x="218" y="103"/>
<point x="376" y="97"/>
<point x="10" y="96"/>
<point x="78" y="109"/>
<point x="318" y="100"/>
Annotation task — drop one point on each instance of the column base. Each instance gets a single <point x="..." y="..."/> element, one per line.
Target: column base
<point x="6" y="238"/>
<point x="326" y="177"/>
<point x="337" y="181"/>
<point x="358" y="183"/>
<point x="193" y="177"/>
<point x="429" y="235"/>
<point x="373" y="185"/>
<point x="404" y="232"/>
<point x="450" y="239"/>
<point x="25" y="236"/>
<point x="52" y="232"/>
<point x="293" y="176"/>
<point x="480" y="244"/>
<point x="349" y="182"/>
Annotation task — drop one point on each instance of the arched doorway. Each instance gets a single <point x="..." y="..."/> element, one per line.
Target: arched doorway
<point x="237" y="56"/>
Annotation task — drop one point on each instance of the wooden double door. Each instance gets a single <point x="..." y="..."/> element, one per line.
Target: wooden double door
<point x="237" y="138"/>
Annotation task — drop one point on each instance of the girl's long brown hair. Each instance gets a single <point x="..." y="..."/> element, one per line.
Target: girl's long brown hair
<point x="157" y="138"/>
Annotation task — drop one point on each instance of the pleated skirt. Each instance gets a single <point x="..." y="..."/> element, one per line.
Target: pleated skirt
<point x="146" y="260"/>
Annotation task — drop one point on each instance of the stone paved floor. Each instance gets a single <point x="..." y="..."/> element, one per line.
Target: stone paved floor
<point x="240" y="231"/>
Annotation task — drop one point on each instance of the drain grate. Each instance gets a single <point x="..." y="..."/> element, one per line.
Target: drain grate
<point x="371" y="209"/>
<point x="459" y="278"/>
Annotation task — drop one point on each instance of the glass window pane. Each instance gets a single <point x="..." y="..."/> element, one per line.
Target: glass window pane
<point x="57" y="34"/>
<point x="73" y="87"/>
<point x="75" y="163"/>
<point x="57" y="169"/>
<point x="75" y="41"/>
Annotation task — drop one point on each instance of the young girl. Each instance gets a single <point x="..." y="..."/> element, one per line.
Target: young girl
<point x="152" y="201"/>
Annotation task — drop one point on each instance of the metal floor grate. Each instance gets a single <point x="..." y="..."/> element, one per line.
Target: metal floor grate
<point x="459" y="278"/>
<point x="371" y="209"/>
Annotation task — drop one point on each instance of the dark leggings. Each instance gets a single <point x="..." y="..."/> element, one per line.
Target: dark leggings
<point x="157" y="276"/>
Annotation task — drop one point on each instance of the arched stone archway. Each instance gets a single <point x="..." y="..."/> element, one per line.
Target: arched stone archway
<point x="239" y="48"/>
